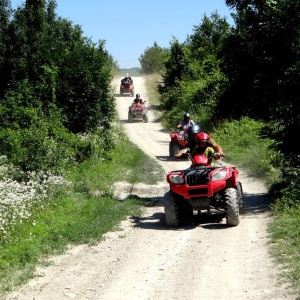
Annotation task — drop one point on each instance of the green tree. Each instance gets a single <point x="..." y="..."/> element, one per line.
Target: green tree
<point x="208" y="37"/>
<point x="153" y="59"/>
<point x="193" y="80"/>
<point x="67" y="69"/>
<point x="5" y="15"/>
<point x="262" y="65"/>
<point x="55" y="84"/>
<point x="176" y="63"/>
<point x="262" y="60"/>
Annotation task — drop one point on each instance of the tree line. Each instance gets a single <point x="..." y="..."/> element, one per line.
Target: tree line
<point x="54" y="88"/>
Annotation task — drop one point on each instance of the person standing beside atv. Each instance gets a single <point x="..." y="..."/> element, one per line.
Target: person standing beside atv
<point x="186" y="122"/>
<point x="137" y="100"/>
<point x="198" y="143"/>
<point x="126" y="79"/>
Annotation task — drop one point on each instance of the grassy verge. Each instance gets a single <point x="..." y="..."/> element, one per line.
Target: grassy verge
<point x="285" y="244"/>
<point x="151" y="82"/>
<point x="78" y="211"/>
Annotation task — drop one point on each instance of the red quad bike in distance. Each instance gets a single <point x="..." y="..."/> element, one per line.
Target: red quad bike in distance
<point x="203" y="187"/>
<point x="137" y="112"/>
<point x="127" y="89"/>
<point x="178" y="142"/>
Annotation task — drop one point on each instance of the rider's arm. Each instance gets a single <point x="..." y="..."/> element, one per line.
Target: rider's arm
<point x="216" y="147"/>
<point x="180" y="125"/>
<point x="182" y="151"/>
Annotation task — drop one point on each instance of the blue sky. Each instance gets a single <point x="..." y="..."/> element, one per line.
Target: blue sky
<point x="130" y="27"/>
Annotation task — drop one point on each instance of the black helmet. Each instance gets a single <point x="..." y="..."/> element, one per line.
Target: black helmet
<point x="186" y="115"/>
<point x="194" y="129"/>
<point x="137" y="95"/>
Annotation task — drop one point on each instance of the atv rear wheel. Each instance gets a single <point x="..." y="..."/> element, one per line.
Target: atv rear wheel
<point x="241" y="198"/>
<point x="130" y="118"/>
<point x="232" y="207"/>
<point x="176" y="149"/>
<point x="145" y="118"/>
<point x="132" y="93"/>
<point x="171" y="153"/>
<point x="172" y="210"/>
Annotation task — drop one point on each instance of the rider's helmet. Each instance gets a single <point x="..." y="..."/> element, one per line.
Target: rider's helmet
<point x="194" y="129"/>
<point x="137" y="95"/>
<point x="186" y="116"/>
<point x="127" y="75"/>
<point x="203" y="137"/>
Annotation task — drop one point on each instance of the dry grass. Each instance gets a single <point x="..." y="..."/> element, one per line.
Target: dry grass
<point x="152" y="80"/>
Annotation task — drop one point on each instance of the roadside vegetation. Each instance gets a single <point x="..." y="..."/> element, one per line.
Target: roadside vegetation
<point x="46" y="214"/>
<point x="60" y="143"/>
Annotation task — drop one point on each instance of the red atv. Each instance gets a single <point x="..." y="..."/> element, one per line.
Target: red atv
<point x="137" y="112"/>
<point x="127" y="89"/>
<point x="178" y="142"/>
<point x="203" y="187"/>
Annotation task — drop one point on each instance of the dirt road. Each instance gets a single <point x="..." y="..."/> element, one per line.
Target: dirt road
<point x="147" y="260"/>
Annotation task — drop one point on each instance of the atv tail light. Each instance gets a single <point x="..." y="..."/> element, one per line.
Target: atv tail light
<point x="176" y="178"/>
<point x="219" y="175"/>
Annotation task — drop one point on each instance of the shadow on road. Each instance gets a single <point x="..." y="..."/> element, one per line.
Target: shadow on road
<point x="119" y="95"/>
<point x="164" y="157"/>
<point x="168" y="158"/>
<point x="156" y="222"/>
<point x="254" y="204"/>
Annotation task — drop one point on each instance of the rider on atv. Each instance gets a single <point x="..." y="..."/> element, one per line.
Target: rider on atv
<point x="186" y="122"/>
<point x="126" y="79"/>
<point x="200" y="142"/>
<point x="138" y="100"/>
<point x="204" y="147"/>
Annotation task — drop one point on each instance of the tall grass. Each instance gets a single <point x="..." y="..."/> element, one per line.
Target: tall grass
<point x="152" y="80"/>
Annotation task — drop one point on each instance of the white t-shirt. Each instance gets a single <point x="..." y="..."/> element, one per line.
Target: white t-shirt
<point x="185" y="126"/>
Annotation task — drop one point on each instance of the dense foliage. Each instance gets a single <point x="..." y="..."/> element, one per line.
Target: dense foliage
<point x="54" y="85"/>
<point x="262" y="61"/>
<point x="193" y="80"/>
<point x="224" y="72"/>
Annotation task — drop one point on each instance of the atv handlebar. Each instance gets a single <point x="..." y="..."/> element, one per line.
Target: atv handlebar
<point x="215" y="155"/>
